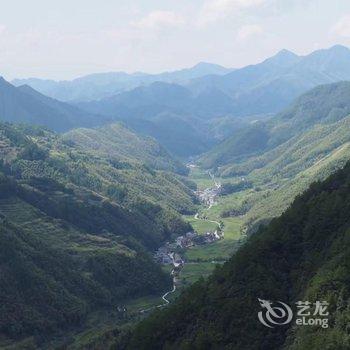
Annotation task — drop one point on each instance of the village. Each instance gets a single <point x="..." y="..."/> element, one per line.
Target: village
<point x="169" y="253"/>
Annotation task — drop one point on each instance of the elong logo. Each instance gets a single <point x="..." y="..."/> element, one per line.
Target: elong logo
<point x="274" y="315"/>
<point x="279" y="313"/>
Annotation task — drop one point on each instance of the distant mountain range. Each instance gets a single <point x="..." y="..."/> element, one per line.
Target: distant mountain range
<point x="265" y="87"/>
<point x="100" y="85"/>
<point x="184" y="109"/>
<point x="269" y="86"/>
<point x="255" y="91"/>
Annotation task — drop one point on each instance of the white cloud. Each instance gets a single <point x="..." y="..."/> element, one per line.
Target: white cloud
<point x="342" y="27"/>
<point x="214" y="10"/>
<point x="249" y="31"/>
<point x="160" y="19"/>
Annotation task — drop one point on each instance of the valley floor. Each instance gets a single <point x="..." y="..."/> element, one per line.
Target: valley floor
<point x="200" y="260"/>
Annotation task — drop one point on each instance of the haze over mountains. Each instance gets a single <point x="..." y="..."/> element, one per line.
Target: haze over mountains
<point x="99" y="85"/>
<point x="23" y="104"/>
<point x="187" y="111"/>
<point x="257" y="89"/>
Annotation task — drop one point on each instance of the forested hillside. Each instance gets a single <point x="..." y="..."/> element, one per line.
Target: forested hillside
<point x="120" y="142"/>
<point x="303" y="255"/>
<point x="325" y="105"/>
<point x="77" y="228"/>
<point x="281" y="157"/>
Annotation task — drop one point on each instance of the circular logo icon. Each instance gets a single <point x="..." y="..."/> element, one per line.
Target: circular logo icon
<point x="274" y="315"/>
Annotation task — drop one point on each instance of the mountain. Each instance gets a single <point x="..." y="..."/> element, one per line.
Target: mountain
<point x="117" y="141"/>
<point x="181" y="136"/>
<point x="101" y="85"/>
<point x="302" y="256"/>
<point x="250" y="76"/>
<point x="192" y="99"/>
<point x="79" y="223"/>
<point x="173" y="115"/>
<point x="269" y="86"/>
<point x="147" y="102"/>
<point x="64" y="256"/>
<point x="323" y="105"/>
<point x="24" y="105"/>
<point x="253" y="92"/>
<point x="282" y="156"/>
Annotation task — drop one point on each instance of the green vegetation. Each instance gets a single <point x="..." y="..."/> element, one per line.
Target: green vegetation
<point x="220" y="250"/>
<point x="192" y="272"/>
<point x="199" y="225"/>
<point x="81" y="214"/>
<point x="201" y="259"/>
<point x="77" y="229"/>
<point x="306" y="142"/>
<point x="117" y="141"/>
<point x="303" y="255"/>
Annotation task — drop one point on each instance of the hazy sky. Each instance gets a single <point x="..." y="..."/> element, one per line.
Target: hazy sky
<point x="68" y="38"/>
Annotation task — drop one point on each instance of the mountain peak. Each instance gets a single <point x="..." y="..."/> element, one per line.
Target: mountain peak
<point x="339" y="47"/>
<point x="205" y="65"/>
<point x="284" y="58"/>
<point x="4" y="83"/>
<point x="2" y="80"/>
<point x="209" y="68"/>
<point x="285" y="54"/>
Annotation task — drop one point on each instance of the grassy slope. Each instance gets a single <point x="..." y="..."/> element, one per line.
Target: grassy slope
<point x="314" y="155"/>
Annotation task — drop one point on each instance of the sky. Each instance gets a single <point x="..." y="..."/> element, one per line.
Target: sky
<point x="69" y="38"/>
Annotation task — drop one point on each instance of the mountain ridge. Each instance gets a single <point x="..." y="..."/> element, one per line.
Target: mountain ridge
<point x="101" y="84"/>
<point x="23" y="104"/>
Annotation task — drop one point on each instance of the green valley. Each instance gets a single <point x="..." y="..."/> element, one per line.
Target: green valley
<point x="78" y="229"/>
<point x="152" y="201"/>
<point x="303" y="255"/>
<point x="306" y="142"/>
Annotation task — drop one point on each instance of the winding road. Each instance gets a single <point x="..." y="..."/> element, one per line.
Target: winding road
<point x="164" y="296"/>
